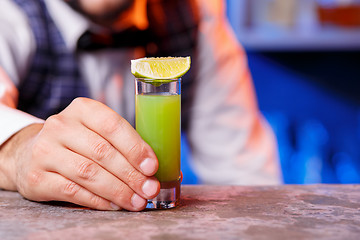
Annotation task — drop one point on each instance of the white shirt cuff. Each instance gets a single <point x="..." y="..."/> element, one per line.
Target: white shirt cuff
<point x="13" y="120"/>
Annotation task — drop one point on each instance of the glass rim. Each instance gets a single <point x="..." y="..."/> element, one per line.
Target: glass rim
<point x="158" y="80"/>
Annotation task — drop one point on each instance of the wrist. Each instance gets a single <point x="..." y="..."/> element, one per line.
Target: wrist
<point x="12" y="151"/>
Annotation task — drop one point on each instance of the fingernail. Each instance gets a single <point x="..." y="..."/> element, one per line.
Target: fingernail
<point x="148" y="166"/>
<point x="114" y="206"/>
<point x="137" y="201"/>
<point x="150" y="187"/>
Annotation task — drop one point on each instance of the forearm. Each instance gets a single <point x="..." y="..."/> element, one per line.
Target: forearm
<point x="231" y="142"/>
<point x="6" y="182"/>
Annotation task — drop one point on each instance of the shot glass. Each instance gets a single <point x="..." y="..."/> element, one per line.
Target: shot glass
<point x="158" y="108"/>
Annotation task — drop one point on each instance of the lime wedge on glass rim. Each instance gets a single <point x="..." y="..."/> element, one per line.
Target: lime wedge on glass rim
<point x="161" y="68"/>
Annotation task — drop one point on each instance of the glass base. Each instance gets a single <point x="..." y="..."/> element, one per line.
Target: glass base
<point x="168" y="197"/>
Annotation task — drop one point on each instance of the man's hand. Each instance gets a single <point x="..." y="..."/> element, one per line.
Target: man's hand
<point x="87" y="155"/>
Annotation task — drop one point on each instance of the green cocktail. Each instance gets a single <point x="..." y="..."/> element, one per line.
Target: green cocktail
<point x="158" y="123"/>
<point x="158" y="108"/>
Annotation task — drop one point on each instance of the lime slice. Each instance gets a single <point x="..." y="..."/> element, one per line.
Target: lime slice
<point x="160" y="68"/>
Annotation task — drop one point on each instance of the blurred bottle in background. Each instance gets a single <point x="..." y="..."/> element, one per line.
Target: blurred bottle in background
<point x="343" y="13"/>
<point x="276" y="16"/>
<point x="272" y="15"/>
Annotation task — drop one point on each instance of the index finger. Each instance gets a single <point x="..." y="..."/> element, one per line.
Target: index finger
<point x="118" y="132"/>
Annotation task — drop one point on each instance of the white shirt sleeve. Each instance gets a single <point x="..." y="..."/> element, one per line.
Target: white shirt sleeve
<point x="17" y="45"/>
<point x="13" y="120"/>
<point x="231" y="141"/>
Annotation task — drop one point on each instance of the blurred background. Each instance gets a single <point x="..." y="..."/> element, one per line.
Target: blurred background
<point x="304" y="56"/>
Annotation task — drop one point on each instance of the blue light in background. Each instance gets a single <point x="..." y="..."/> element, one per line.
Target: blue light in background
<point x="316" y="128"/>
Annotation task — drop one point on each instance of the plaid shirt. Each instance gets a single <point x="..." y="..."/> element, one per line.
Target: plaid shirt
<point x="54" y="81"/>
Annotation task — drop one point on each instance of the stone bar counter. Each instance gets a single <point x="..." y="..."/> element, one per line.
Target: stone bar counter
<point x="205" y="212"/>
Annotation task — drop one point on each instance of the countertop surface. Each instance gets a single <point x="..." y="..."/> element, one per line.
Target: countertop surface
<point x="205" y="212"/>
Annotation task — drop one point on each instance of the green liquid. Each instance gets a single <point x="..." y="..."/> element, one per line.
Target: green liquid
<point x="158" y="123"/>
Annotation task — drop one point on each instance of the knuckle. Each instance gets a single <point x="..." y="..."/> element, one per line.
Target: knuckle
<point x="87" y="170"/>
<point x="54" y="122"/>
<point x="40" y="148"/>
<point x="132" y="176"/>
<point x="71" y="189"/>
<point x="112" y="125"/>
<point x="29" y="183"/>
<point x="119" y="193"/>
<point x="80" y="101"/>
<point x="95" y="201"/>
<point x="102" y="150"/>
<point x="34" y="178"/>
<point x="136" y="150"/>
